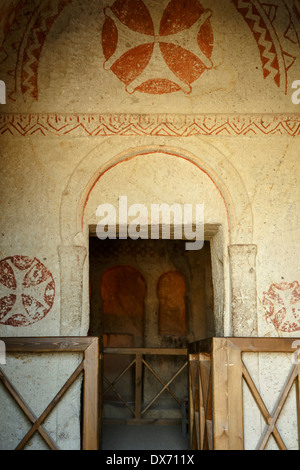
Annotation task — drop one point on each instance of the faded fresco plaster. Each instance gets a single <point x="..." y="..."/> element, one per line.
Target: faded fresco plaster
<point x="137" y="96"/>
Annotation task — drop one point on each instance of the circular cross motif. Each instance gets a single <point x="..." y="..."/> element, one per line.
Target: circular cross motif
<point x="157" y="50"/>
<point x="27" y="291"/>
<point x="282" y="306"/>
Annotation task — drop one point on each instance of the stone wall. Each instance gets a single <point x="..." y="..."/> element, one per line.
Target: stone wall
<point x="164" y="102"/>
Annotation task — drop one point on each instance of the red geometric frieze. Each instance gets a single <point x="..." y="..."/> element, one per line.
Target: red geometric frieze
<point x="171" y="125"/>
<point x="282" y="306"/>
<point x="27" y="291"/>
<point x="157" y="55"/>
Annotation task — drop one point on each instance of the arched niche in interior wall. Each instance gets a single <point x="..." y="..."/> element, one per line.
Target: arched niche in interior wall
<point x="171" y="291"/>
<point x="123" y="291"/>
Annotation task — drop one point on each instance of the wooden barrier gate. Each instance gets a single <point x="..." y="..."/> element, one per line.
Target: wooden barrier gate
<point x="138" y="362"/>
<point x="217" y="372"/>
<point x="89" y="366"/>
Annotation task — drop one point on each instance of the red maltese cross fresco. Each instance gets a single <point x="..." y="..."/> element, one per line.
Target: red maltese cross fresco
<point x="157" y="47"/>
<point x="282" y="306"/>
<point x="27" y="291"/>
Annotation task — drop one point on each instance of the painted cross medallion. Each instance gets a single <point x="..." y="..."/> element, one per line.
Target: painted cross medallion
<point x="27" y="291"/>
<point x="282" y="306"/>
<point x="157" y="47"/>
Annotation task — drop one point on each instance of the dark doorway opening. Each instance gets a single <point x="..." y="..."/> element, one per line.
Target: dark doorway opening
<point x="150" y="294"/>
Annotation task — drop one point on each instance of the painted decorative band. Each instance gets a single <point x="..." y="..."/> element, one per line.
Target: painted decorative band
<point x="169" y="125"/>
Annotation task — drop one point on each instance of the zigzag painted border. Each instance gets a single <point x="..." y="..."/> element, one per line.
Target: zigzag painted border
<point x="35" y="42"/>
<point x="92" y="125"/>
<point x="252" y="13"/>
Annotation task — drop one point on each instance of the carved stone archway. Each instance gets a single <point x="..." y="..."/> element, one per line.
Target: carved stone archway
<point x="237" y="235"/>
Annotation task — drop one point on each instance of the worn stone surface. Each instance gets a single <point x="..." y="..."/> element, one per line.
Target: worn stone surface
<point x="164" y="102"/>
<point x="243" y="289"/>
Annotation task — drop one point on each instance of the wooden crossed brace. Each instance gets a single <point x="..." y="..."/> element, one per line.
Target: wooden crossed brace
<point x="270" y="420"/>
<point x="37" y="422"/>
<point x="112" y="384"/>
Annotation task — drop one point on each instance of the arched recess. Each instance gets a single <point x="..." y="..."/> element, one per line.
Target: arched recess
<point x="171" y="291"/>
<point x="212" y="164"/>
<point x="123" y="291"/>
<point x="106" y="156"/>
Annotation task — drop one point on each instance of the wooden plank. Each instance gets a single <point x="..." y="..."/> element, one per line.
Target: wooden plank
<point x="252" y="344"/>
<point x="298" y="402"/>
<point x="209" y="416"/>
<point x="210" y="443"/>
<point x="205" y="371"/>
<point x="235" y="397"/>
<point x="138" y="386"/>
<point x="197" y="431"/>
<point x="146" y="421"/>
<point x="91" y="397"/>
<point x="204" y="378"/>
<point x="201" y="405"/>
<point x="248" y="344"/>
<point x="220" y="390"/>
<point x="145" y="351"/>
<point x="193" y="367"/>
<point x="101" y="388"/>
<point x="46" y="344"/>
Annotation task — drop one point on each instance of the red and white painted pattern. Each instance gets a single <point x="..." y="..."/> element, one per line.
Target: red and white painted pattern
<point x="27" y="291"/>
<point x="274" y="25"/>
<point x="282" y="306"/>
<point x="157" y="49"/>
<point x="171" y="125"/>
<point x="147" y="52"/>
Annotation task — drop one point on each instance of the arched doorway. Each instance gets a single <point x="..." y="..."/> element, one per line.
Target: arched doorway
<point x="167" y="175"/>
<point x="149" y="294"/>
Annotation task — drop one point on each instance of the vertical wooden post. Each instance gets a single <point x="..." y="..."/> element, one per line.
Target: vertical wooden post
<point x="298" y="403"/>
<point x="101" y="390"/>
<point x="235" y="397"/>
<point x="204" y="376"/>
<point x="205" y="404"/>
<point x="192" y="395"/>
<point x="138" y="387"/>
<point x="194" y="400"/>
<point x="220" y="393"/>
<point x="90" y="440"/>
<point x="227" y="396"/>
